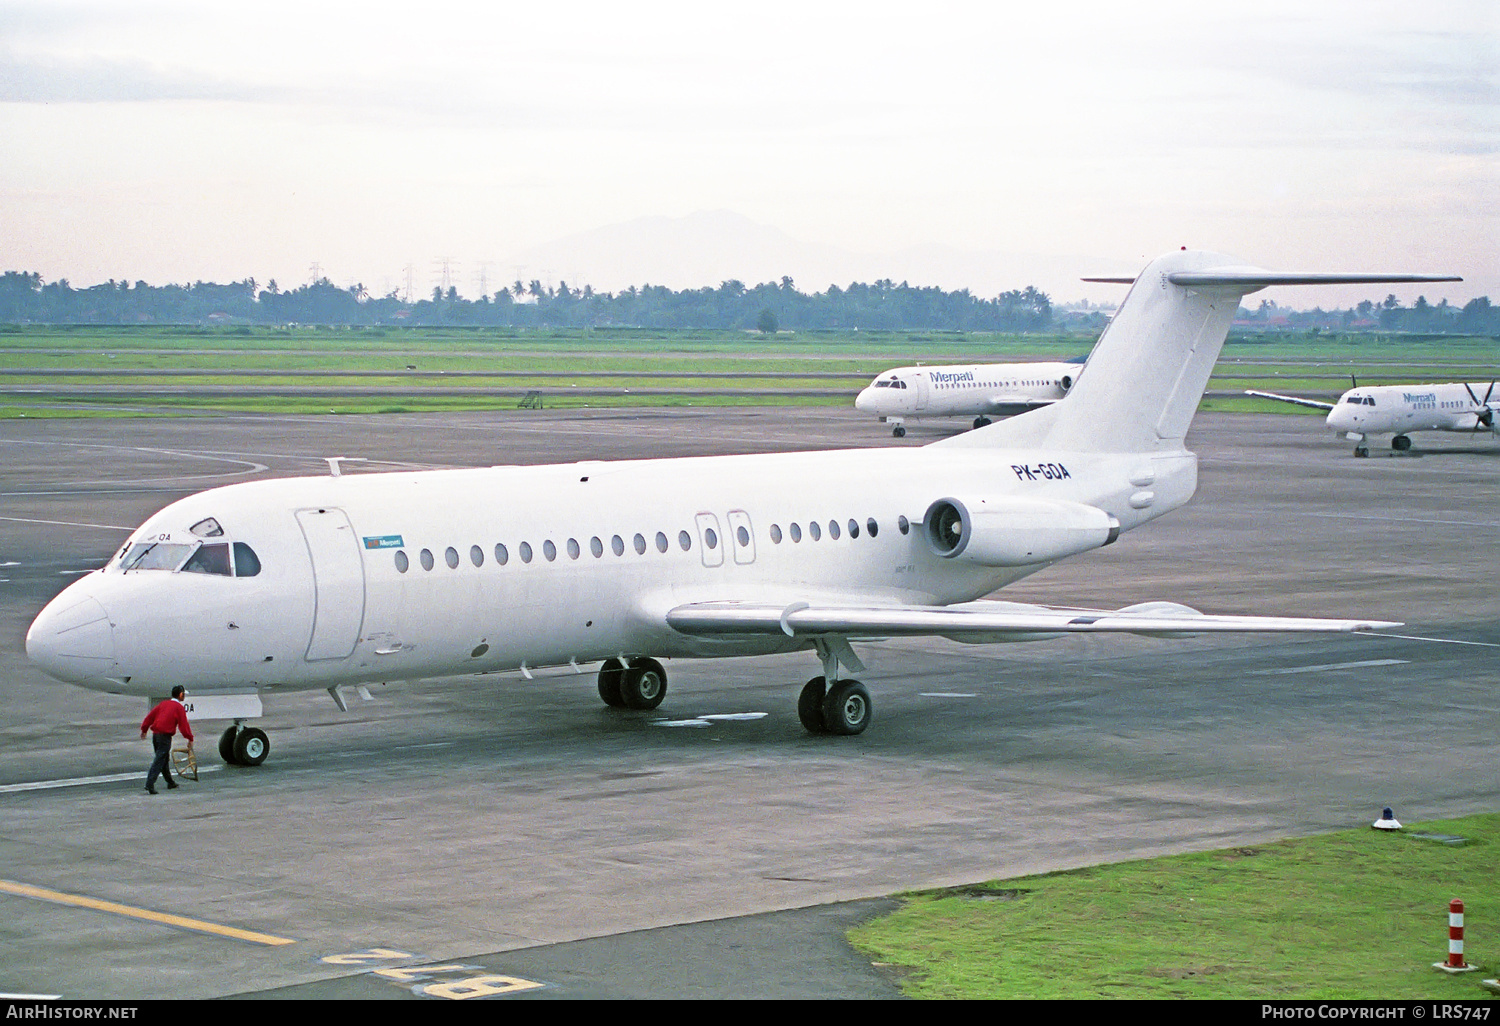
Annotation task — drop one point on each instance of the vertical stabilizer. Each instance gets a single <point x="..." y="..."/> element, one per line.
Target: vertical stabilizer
<point x="1143" y="381"/>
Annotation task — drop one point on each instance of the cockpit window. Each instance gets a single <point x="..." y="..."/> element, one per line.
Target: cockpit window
<point x="155" y="556"/>
<point x="207" y="528"/>
<point x="209" y="559"/>
<point x="246" y="562"/>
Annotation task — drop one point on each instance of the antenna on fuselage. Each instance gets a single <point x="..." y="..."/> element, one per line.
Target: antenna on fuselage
<point x="334" y="461"/>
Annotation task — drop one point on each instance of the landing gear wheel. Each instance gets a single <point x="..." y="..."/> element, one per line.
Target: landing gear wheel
<point x="810" y="705"/>
<point x="898" y="431"/>
<point x="1401" y="443"/>
<point x="980" y="422"/>
<point x="643" y="684"/>
<point x="251" y="747"/>
<point x="226" y="745"/>
<point x="1361" y="451"/>
<point x="610" y="675"/>
<point x="847" y="708"/>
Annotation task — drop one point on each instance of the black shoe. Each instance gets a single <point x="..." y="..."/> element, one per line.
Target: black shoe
<point x="171" y="785"/>
<point x="151" y="790"/>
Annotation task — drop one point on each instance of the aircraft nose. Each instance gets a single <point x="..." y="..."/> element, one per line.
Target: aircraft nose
<point x="865" y="401"/>
<point x="72" y="638"/>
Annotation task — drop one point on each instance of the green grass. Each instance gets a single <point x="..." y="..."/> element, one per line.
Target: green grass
<point x="1354" y="915"/>
<point x="732" y="362"/>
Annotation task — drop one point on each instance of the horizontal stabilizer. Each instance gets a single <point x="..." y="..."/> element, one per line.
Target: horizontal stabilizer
<point x="985" y="617"/>
<point x="1253" y="278"/>
<point x="1295" y="400"/>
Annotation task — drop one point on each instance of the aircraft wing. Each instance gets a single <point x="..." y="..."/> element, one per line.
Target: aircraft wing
<point x="1010" y="405"/>
<point x="981" y="620"/>
<point x="1315" y="404"/>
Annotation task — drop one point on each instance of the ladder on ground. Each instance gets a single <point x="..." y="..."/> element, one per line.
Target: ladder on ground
<point x="531" y="400"/>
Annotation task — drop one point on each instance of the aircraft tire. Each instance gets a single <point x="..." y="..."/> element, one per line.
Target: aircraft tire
<point x="251" y="746"/>
<point x="610" y="675"/>
<point x="1401" y="443"/>
<point x="847" y="708"/>
<point x="643" y="685"/>
<point x="810" y="705"/>
<point x="1361" y="451"/>
<point x="898" y="432"/>
<point x="226" y="745"/>
<point x="980" y="422"/>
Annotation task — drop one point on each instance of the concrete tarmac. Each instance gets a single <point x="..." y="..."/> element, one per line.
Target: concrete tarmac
<point x="475" y="836"/>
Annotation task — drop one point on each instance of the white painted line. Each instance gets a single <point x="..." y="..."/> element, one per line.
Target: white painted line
<point x="106" y="778"/>
<point x="1331" y="666"/>
<point x="735" y="717"/>
<point x="947" y="694"/>
<point x="1402" y="520"/>
<point x="682" y="723"/>
<point x="29" y="997"/>
<point x="64" y="523"/>
<point x="1441" y="641"/>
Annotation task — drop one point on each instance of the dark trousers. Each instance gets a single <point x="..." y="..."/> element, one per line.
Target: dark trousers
<point x="163" y="761"/>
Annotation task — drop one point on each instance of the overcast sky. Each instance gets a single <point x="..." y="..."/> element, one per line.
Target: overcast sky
<point x="172" y="142"/>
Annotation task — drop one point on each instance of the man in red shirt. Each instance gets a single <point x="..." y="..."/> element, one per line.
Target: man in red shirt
<point x="165" y="720"/>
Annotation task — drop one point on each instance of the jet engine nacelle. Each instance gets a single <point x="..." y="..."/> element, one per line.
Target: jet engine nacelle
<point x="1009" y="531"/>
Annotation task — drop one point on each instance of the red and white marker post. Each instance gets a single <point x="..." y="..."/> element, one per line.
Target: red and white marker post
<point x="1455" y="963"/>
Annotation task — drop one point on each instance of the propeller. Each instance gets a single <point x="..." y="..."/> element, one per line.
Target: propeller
<point x="1484" y="417"/>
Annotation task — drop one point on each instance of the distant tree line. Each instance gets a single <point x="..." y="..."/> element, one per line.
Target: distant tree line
<point x="25" y="297"/>
<point x="1476" y="317"/>
<point x="768" y="307"/>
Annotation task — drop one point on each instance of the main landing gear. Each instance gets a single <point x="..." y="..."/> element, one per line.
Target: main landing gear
<point x="842" y="709"/>
<point x="641" y="684"/>
<point x="1401" y="443"/>
<point x="980" y="422"/>
<point x="898" y="431"/>
<point x="244" y="746"/>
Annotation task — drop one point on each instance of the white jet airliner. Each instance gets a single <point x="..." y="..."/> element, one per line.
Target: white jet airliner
<point x="322" y="582"/>
<point x="980" y="391"/>
<point x="1398" y="410"/>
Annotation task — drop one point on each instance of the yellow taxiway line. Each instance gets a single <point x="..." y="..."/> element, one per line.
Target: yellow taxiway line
<point x="164" y="918"/>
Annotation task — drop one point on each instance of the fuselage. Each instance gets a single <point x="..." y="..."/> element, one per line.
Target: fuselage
<point x="1399" y="409"/>
<point x="320" y="581"/>
<point x="1002" y="389"/>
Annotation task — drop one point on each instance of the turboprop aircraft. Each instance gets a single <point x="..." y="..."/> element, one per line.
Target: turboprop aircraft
<point x="978" y="390"/>
<point x="1398" y="410"/>
<point x="330" y="581"/>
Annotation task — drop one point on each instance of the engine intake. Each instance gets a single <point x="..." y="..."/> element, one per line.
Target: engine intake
<point x="1009" y="531"/>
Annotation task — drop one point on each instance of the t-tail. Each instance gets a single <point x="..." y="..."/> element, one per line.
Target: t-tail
<point x="1143" y="381"/>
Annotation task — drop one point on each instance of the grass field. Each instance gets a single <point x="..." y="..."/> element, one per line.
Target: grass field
<point x="92" y="371"/>
<point x="1360" y="914"/>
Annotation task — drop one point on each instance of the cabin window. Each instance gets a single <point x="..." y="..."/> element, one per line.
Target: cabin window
<point x="476" y="555"/>
<point x="743" y="534"/>
<point x="685" y="540"/>
<point x="617" y="545"/>
<point x="426" y="558"/>
<point x="710" y="538"/>
<point x="549" y="550"/>
<point x="661" y="542"/>
<point x="209" y="559"/>
<point x="854" y="528"/>
<point x="596" y="546"/>
<point x="776" y="533"/>
<point x="526" y="552"/>
<point x="502" y="554"/>
<point x="402" y="563"/>
<point x="796" y="531"/>
<point x="903" y="525"/>
<point x="814" y="531"/>
<point x="450" y="556"/>
<point x="640" y="545"/>
<point x="833" y="530"/>
<point x="573" y="549"/>
<point x="872" y="527"/>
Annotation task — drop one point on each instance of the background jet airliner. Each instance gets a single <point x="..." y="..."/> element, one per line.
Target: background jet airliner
<point x="979" y="390"/>
<point x="1399" y="410"/>
<point x="321" y="582"/>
